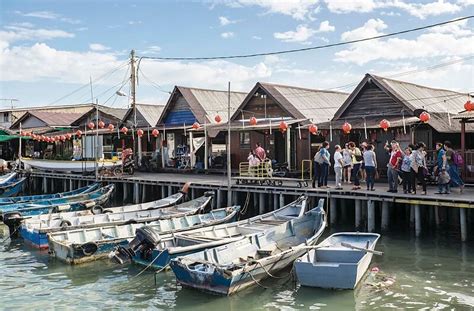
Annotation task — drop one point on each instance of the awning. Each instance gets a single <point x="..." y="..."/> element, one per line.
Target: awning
<point x="4" y="138"/>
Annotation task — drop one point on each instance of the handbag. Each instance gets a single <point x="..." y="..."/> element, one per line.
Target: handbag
<point x="425" y="172"/>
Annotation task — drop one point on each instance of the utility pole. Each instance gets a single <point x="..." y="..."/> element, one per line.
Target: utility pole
<point x="229" y="170"/>
<point x="133" y="81"/>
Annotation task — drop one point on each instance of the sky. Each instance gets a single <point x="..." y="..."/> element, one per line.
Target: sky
<point x="51" y="50"/>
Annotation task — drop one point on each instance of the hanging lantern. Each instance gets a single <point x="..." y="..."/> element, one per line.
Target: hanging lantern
<point x="346" y="128"/>
<point x="384" y="124"/>
<point x="124" y="130"/>
<point x="313" y="129"/>
<point x="218" y="118"/>
<point x="469" y="106"/>
<point x="101" y="124"/>
<point x="91" y="125"/>
<point x="196" y="125"/>
<point x="140" y="133"/>
<point x="253" y="121"/>
<point x="283" y="126"/>
<point x="425" y="117"/>
<point x="68" y="136"/>
<point x="111" y="127"/>
<point x="155" y="132"/>
<point x="78" y="133"/>
<point x="62" y="138"/>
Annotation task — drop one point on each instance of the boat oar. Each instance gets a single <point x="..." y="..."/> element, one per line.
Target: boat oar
<point x="361" y="249"/>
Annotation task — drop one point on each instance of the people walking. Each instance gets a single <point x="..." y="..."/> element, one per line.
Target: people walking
<point x="418" y="167"/>
<point x="452" y="159"/>
<point x="370" y="163"/>
<point x="393" y="166"/>
<point x="356" y="162"/>
<point x="317" y="160"/>
<point x="324" y="166"/>
<point x="338" y="164"/>
<point x="347" y="157"/>
<point x="363" y="174"/>
<point x="405" y="169"/>
<point x="441" y="170"/>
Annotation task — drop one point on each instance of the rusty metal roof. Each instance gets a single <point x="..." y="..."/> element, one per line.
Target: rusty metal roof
<point x="51" y="119"/>
<point x="147" y="115"/>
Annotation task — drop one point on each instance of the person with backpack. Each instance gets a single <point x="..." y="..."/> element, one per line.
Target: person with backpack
<point x="454" y="161"/>
<point x="324" y="165"/>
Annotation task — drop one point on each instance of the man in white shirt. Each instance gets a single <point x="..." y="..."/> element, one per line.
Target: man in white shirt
<point x="338" y="164"/>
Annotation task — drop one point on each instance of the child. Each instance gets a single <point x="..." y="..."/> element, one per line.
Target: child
<point x="443" y="182"/>
<point x="406" y="171"/>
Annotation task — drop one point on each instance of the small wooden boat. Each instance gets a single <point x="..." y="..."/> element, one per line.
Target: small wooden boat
<point x="158" y="255"/>
<point x="34" y="230"/>
<point x="71" y="247"/>
<point x="230" y="268"/>
<point x="12" y="214"/>
<point x="31" y="198"/>
<point x="340" y="261"/>
<point x="7" y="178"/>
<point x="12" y="187"/>
<point x="68" y="166"/>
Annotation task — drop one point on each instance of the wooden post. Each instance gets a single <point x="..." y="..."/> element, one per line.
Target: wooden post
<point x="370" y="216"/>
<point x="143" y="193"/>
<point x="261" y="207"/>
<point x="219" y="199"/>
<point x="412" y="216"/>
<point x="136" y="193"/>
<point x="288" y="147"/>
<point x="358" y="218"/>
<point x="163" y="191"/>
<point x="282" y="200"/>
<point x="463" y="223"/>
<point x="193" y="193"/>
<point x="125" y="192"/>
<point x="275" y="202"/>
<point x="436" y="212"/>
<point x="417" y="220"/>
<point x="170" y="190"/>
<point x="255" y="203"/>
<point x="385" y="215"/>
<point x="463" y="147"/>
<point x="333" y="212"/>
<point x="45" y="185"/>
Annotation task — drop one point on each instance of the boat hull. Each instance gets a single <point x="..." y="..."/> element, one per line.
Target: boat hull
<point x="336" y="267"/>
<point x="68" y="166"/>
<point x="12" y="188"/>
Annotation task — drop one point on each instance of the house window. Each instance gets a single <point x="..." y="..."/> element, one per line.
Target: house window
<point x="6" y="117"/>
<point x="244" y="139"/>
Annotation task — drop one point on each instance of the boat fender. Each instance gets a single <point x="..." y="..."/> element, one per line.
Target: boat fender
<point x="130" y="221"/>
<point x="64" y="224"/>
<point x="89" y="248"/>
<point x="61" y="208"/>
<point x="97" y="209"/>
<point x="107" y="211"/>
<point x="89" y="204"/>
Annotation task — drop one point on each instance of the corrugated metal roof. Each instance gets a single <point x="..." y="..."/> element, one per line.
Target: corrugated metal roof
<point x="423" y="97"/>
<point x="151" y="113"/>
<point x="312" y="104"/>
<point x="56" y="118"/>
<point x="213" y="102"/>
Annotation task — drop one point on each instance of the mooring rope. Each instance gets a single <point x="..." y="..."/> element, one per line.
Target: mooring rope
<point x="148" y="266"/>
<point x="243" y="211"/>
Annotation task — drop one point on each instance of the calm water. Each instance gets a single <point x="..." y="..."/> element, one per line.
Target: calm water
<point x="429" y="274"/>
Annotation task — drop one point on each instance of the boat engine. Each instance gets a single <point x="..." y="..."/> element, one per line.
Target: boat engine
<point x="145" y="238"/>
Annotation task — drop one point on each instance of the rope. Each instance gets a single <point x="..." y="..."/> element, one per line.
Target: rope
<point x="149" y="265"/>
<point x="159" y="271"/>
<point x="243" y="211"/>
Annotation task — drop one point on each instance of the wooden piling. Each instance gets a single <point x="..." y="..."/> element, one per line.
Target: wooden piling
<point x="358" y="216"/>
<point x="125" y="192"/>
<point x="463" y="224"/>
<point x="416" y="207"/>
<point x="385" y="216"/>
<point x="282" y="200"/>
<point x="275" y="202"/>
<point x="261" y="205"/>
<point x="219" y="199"/>
<point x="333" y="211"/>
<point x="370" y="216"/>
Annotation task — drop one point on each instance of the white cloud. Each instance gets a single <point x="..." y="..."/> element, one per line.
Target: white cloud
<point x="48" y="15"/>
<point x="391" y="13"/>
<point x="15" y="33"/>
<point x="256" y="38"/>
<point x="98" y="47"/>
<point x="152" y="49"/>
<point x="345" y="6"/>
<point x="134" y="22"/>
<point x="227" y="35"/>
<point x="371" y="28"/>
<point x="298" y="9"/>
<point x="303" y="33"/>
<point x="224" y="21"/>
<point x="422" y="11"/>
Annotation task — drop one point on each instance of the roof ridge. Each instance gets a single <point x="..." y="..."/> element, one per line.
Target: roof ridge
<point x="302" y="88"/>
<point x="212" y="90"/>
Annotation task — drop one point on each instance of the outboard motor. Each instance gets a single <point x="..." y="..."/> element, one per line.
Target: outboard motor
<point x="146" y="238"/>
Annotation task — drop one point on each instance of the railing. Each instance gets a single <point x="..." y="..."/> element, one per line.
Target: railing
<point x="307" y="171"/>
<point x="262" y="170"/>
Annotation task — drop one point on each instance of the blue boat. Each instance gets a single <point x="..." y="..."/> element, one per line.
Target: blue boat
<point x="31" y="198"/>
<point x="12" y="187"/>
<point x="7" y="178"/>
<point x="170" y="246"/>
<point x="340" y="261"/>
<point x="13" y="214"/>
<point x="233" y="267"/>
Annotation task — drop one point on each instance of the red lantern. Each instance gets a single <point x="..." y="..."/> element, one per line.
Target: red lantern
<point x="218" y="119"/>
<point x="78" y="133"/>
<point x="313" y="129"/>
<point x="111" y="127"/>
<point x="91" y="125"/>
<point x="196" y="125"/>
<point x="101" y="124"/>
<point x="283" y="126"/>
<point x="425" y="117"/>
<point x="346" y="128"/>
<point x="253" y="121"/>
<point x="62" y="138"/>
<point x="155" y="132"/>
<point x="469" y="106"/>
<point x="68" y="136"/>
<point x="384" y="124"/>
<point x="124" y="130"/>
<point x="140" y="133"/>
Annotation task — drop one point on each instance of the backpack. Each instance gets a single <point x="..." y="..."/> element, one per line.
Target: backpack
<point x="318" y="157"/>
<point x="457" y="159"/>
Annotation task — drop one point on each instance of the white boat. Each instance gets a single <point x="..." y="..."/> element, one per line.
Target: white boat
<point x="36" y="228"/>
<point x="68" y="245"/>
<point x="68" y="166"/>
<point x="340" y="261"/>
<point x="158" y="255"/>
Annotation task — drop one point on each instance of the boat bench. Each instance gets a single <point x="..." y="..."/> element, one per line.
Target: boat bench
<point x="339" y="255"/>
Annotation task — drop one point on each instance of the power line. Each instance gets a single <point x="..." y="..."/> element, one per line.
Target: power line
<point x="313" y="47"/>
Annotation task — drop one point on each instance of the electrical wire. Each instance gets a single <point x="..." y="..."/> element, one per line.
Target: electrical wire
<point x="313" y="47"/>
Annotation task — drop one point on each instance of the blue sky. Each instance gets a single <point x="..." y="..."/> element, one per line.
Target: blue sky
<point x="51" y="48"/>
